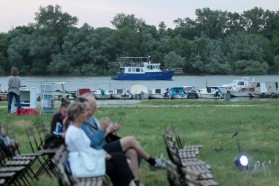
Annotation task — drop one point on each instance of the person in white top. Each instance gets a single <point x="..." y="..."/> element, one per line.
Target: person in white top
<point x="117" y="167"/>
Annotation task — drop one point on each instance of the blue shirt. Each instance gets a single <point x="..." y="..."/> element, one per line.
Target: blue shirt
<point x="96" y="136"/>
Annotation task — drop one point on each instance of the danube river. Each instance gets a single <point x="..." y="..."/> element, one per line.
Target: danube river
<point x="75" y="82"/>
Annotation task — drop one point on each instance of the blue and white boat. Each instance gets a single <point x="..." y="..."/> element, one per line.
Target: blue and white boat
<point x="141" y="68"/>
<point x="177" y="93"/>
<point x="183" y="92"/>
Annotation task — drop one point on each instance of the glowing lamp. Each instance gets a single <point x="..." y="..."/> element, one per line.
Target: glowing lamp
<point x="242" y="162"/>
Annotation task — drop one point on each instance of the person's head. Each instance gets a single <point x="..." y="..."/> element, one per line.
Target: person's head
<point x="14" y="71"/>
<point x="63" y="107"/>
<point x="91" y="104"/>
<point x="77" y="112"/>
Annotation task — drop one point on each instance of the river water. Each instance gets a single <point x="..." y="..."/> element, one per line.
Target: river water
<point x="73" y="83"/>
<point x="76" y="82"/>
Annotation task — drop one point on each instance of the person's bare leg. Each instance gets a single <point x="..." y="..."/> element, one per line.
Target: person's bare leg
<point x="129" y="142"/>
<point x="132" y="183"/>
<point x="132" y="155"/>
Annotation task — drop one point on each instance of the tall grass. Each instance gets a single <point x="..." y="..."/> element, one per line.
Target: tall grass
<point x="209" y="123"/>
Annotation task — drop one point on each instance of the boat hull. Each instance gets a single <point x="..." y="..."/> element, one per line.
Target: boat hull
<point x="209" y="96"/>
<point x="140" y="96"/>
<point x="164" y="75"/>
<point x="177" y="96"/>
<point x="121" y="96"/>
<point x="159" y="96"/>
<point x="99" y="96"/>
<point x="264" y="95"/>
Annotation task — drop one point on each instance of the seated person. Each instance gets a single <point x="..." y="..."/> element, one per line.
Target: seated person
<point x="128" y="145"/>
<point x="57" y="119"/>
<point x="8" y="146"/>
<point x="5" y="149"/>
<point x="117" y="167"/>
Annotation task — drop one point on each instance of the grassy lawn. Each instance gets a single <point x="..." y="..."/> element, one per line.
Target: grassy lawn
<point x="209" y="123"/>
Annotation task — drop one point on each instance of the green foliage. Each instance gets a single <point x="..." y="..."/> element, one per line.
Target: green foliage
<point x="248" y="67"/>
<point x="173" y="60"/>
<point x="51" y="21"/>
<point x="4" y="44"/>
<point x="215" y="42"/>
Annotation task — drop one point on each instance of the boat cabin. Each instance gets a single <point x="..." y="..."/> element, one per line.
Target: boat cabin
<point x="176" y="91"/>
<point x="141" y="68"/>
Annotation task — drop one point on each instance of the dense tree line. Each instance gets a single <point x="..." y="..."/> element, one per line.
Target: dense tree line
<point x="215" y="42"/>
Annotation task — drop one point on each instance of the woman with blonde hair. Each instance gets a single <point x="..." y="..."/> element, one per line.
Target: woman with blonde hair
<point x="117" y="167"/>
<point x="14" y="84"/>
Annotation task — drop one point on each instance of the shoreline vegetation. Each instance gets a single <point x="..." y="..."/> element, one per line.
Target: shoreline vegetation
<point x="213" y="42"/>
<point x="209" y="123"/>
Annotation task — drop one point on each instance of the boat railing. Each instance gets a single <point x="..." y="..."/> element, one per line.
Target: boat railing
<point x="131" y="64"/>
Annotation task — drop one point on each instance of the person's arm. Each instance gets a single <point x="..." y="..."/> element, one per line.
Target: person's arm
<point x="76" y="142"/>
<point x="19" y="82"/>
<point x="53" y="123"/>
<point x="9" y="83"/>
<point x="96" y="137"/>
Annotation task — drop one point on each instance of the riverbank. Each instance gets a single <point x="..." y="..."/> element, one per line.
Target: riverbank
<point x="209" y="123"/>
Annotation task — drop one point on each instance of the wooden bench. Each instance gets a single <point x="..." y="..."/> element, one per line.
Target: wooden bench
<point x="65" y="178"/>
<point x="192" y="171"/>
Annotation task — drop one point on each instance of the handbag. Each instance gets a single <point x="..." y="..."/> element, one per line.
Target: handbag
<point x="85" y="165"/>
<point x="53" y="141"/>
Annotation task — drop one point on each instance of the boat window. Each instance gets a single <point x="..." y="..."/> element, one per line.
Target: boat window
<point x="141" y="70"/>
<point x="129" y="69"/>
<point x="133" y="69"/>
<point x="158" y="91"/>
<point x="137" y="69"/>
<point x="119" y="91"/>
<point x="241" y="83"/>
<point x="188" y="89"/>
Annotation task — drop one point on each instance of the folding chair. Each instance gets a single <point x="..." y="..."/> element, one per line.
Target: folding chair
<point x="6" y="178"/>
<point x="33" y="157"/>
<point x="37" y="147"/>
<point x="43" y="132"/>
<point x="173" y="176"/>
<point x="64" y="176"/>
<point x="16" y="169"/>
<point x="58" y="160"/>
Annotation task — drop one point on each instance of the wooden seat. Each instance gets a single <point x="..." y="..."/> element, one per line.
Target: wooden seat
<point x="173" y="176"/>
<point x="17" y="170"/>
<point x="2" y="181"/>
<point x="7" y="177"/>
<point x="191" y="170"/>
<point x="65" y="178"/>
<point x="32" y="157"/>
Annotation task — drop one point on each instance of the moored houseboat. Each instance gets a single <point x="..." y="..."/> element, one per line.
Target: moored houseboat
<point x="141" y="68"/>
